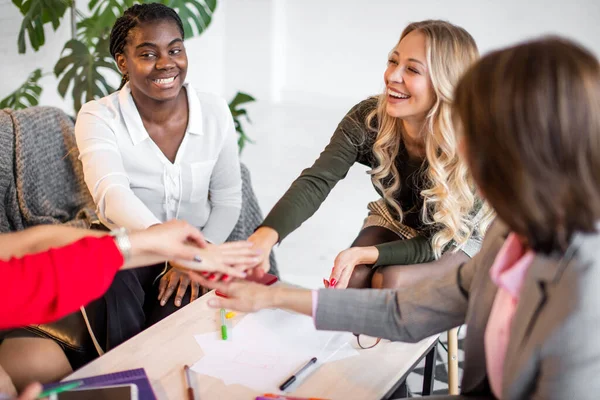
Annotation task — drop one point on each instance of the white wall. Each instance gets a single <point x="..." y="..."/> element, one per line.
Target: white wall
<point x="317" y="51"/>
<point x="338" y="48"/>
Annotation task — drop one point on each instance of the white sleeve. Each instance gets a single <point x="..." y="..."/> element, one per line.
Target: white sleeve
<point x="105" y="175"/>
<point x="225" y="189"/>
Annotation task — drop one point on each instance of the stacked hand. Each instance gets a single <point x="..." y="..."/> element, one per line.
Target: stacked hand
<point x="217" y="262"/>
<point x="186" y="249"/>
<point x="242" y="295"/>
<point x="264" y="238"/>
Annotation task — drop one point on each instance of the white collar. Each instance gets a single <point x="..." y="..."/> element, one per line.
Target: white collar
<point x="133" y="120"/>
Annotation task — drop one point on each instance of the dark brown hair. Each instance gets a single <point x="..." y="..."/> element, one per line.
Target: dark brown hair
<point x="530" y="119"/>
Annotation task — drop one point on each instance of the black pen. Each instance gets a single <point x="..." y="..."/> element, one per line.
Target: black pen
<point x="293" y="378"/>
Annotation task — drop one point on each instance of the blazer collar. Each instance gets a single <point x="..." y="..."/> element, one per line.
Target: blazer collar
<point x="133" y="120"/>
<point x="544" y="272"/>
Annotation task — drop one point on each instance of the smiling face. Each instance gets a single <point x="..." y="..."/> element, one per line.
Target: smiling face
<point x="409" y="90"/>
<point x="155" y="60"/>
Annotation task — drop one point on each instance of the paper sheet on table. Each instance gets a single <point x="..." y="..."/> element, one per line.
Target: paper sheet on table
<point x="267" y="347"/>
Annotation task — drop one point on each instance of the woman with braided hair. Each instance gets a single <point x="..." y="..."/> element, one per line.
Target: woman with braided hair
<point x="153" y="151"/>
<point x="157" y="149"/>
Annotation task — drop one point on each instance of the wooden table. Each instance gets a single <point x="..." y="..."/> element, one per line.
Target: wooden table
<point x="166" y="347"/>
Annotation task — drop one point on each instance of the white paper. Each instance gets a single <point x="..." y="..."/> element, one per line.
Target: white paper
<point x="267" y="347"/>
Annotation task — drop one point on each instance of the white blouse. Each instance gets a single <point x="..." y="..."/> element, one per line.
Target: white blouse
<point x="134" y="184"/>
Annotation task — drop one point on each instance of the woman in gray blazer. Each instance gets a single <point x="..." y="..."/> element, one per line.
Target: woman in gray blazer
<point x="529" y="118"/>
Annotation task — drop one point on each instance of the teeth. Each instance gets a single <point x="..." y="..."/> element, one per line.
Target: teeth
<point x="164" y="81"/>
<point x="397" y="94"/>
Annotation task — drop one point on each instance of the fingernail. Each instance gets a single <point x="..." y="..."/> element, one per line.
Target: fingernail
<point x="197" y="259"/>
<point x="225" y="277"/>
<point x="244" y="274"/>
<point x="212" y="303"/>
<point x="212" y="277"/>
<point x="325" y="282"/>
<point x="177" y="303"/>
<point x="162" y="303"/>
<point x="333" y="282"/>
<point x="204" y="273"/>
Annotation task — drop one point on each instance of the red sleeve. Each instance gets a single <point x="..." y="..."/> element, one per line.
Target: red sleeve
<point x="43" y="287"/>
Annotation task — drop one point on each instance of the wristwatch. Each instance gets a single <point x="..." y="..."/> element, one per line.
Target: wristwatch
<point x="122" y="241"/>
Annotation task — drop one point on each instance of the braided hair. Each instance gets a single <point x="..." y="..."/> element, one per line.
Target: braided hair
<point x="132" y="17"/>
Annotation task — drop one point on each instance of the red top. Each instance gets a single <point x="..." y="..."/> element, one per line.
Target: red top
<point x="46" y="286"/>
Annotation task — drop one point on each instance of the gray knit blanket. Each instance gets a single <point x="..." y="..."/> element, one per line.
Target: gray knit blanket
<point x="41" y="177"/>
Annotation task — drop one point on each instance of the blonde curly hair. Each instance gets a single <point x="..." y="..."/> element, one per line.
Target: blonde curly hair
<point x="449" y="197"/>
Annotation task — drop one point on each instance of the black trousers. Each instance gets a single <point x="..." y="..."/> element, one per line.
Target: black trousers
<point x="130" y="305"/>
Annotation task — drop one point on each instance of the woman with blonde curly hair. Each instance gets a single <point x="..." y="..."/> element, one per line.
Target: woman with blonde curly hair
<point x="429" y="214"/>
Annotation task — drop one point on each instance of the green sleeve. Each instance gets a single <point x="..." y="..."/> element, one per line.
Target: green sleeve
<point x="311" y="188"/>
<point x="405" y="252"/>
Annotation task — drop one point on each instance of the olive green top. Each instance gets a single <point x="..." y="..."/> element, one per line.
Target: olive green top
<point x="353" y="142"/>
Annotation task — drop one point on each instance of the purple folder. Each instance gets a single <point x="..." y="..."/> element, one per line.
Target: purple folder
<point x="136" y="376"/>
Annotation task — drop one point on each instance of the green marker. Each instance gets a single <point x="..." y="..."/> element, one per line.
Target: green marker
<point x="223" y="325"/>
<point x="59" y="389"/>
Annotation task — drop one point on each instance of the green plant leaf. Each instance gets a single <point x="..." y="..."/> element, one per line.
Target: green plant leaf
<point x="37" y="13"/>
<point x="103" y="14"/>
<point x="241" y="98"/>
<point x="80" y="68"/>
<point x="27" y="95"/>
<point x="237" y="112"/>
<point x="197" y="13"/>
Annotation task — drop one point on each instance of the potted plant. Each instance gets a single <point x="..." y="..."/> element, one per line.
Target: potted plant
<point x="85" y="61"/>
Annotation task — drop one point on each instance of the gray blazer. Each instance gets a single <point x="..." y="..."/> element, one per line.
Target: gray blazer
<point x="554" y="347"/>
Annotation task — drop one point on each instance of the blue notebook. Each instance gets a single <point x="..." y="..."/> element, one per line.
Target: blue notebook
<point x="136" y="376"/>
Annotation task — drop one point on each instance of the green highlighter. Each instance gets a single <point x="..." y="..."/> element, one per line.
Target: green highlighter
<point x="59" y="389"/>
<point x="223" y="325"/>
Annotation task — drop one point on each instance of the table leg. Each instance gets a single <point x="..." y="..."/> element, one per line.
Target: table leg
<point x="429" y="373"/>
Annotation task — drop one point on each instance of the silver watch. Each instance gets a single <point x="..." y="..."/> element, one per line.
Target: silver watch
<point x="122" y="241"/>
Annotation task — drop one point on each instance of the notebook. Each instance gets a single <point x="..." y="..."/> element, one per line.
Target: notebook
<point x="136" y="376"/>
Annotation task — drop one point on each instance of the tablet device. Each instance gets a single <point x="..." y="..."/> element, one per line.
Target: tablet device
<point x="267" y="279"/>
<point x="116" y="392"/>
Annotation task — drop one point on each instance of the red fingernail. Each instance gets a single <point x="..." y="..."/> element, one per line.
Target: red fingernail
<point x="225" y="277"/>
<point x="204" y="273"/>
<point x="212" y="277"/>
<point x="333" y="282"/>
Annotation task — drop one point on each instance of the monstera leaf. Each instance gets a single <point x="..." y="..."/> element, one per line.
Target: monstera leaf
<point x="196" y="13"/>
<point x="27" y="95"/>
<point x="81" y="68"/>
<point x="36" y="14"/>
<point x="237" y="112"/>
<point x="103" y="15"/>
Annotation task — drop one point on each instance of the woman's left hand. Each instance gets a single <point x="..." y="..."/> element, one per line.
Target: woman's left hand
<point x="346" y="261"/>
<point x="176" y="279"/>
